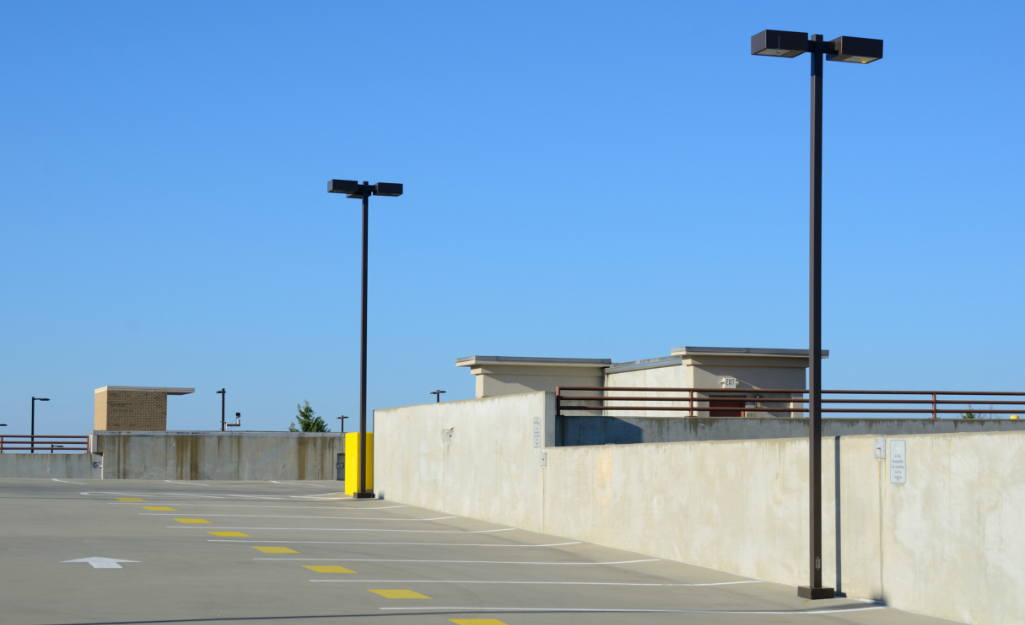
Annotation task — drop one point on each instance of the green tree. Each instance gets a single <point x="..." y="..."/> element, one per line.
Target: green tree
<point x="308" y="420"/>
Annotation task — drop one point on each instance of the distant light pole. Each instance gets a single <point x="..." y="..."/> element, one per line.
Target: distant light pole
<point x="353" y="189"/>
<point x="850" y="50"/>
<point x="438" y="394"/>
<point x="341" y="424"/>
<point x="32" y="444"/>
<point x="222" y="393"/>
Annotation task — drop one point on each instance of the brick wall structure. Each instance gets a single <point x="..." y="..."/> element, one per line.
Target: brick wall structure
<point x="133" y="408"/>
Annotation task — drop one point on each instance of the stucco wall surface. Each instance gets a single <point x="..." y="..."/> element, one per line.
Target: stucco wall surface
<point x="219" y="455"/>
<point x="474" y="458"/>
<point x="61" y="466"/>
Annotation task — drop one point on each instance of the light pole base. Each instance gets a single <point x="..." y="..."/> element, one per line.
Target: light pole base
<point x="366" y="494"/>
<point x="815" y="593"/>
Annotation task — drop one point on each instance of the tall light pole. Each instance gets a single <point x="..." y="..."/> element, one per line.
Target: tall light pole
<point x="438" y="395"/>
<point x="341" y="425"/>
<point x="851" y="50"/>
<point x="222" y="393"/>
<point x="353" y="189"/>
<point x="32" y="444"/>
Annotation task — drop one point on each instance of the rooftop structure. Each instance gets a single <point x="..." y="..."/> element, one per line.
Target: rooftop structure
<point x="133" y="408"/>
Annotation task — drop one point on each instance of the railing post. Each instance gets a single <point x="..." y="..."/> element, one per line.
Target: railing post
<point x="934" y="405"/>
<point x="690" y="403"/>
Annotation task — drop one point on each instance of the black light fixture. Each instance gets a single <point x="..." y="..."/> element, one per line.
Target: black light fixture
<point x="32" y="444"/>
<point x="438" y="395"/>
<point x="353" y="189"/>
<point x="790" y="44"/>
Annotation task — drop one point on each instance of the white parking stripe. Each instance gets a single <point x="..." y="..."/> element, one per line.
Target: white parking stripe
<point x="274" y="516"/>
<point x="281" y="506"/>
<point x="328" y="542"/>
<point x="300" y="485"/>
<point x="837" y="610"/>
<point x="445" y="581"/>
<point x="464" y="561"/>
<point x="340" y="529"/>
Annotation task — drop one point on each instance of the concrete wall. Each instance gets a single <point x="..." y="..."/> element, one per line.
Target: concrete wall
<point x="475" y="458"/>
<point x="40" y="465"/>
<point x="624" y="430"/>
<point x="219" y="455"/>
<point x="948" y="542"/>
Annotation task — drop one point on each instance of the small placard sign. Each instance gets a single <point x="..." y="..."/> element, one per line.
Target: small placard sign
<point x="898" y="462"/>
<point x="730" y="382"/>
<point x="537" y="432"/>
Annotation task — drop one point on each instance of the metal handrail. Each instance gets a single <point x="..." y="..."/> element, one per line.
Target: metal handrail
<point x="43" y="443"/>
<point x="932" y="402"/>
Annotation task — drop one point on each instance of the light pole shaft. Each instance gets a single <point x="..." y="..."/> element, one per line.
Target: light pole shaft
<point x="363" y="349"/>
<point x="223" y="429"/>
<point x="32" y="440"/>
<point x="815" y="321"/>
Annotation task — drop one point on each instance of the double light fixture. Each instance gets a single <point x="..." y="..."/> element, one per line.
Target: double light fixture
<point x="351" y="188"/>
<point x="790" y="44"/>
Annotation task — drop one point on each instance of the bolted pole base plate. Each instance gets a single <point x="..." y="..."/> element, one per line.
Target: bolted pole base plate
<point x="369" y="495"/>
<point x="815" y="593"/>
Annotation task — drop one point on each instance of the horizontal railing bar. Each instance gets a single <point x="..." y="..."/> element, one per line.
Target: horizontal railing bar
<point x="787" y="390"/>
<point x="771" y="409"/>
<point x="928" y="402"/>
<point x="42" y="436"/>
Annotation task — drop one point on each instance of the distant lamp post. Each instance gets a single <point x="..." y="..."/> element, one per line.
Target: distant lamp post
<point x="353" y="189"/>
<point x="850" y="50"/>
<point x="341" y="425"/>
<point x="222" y="393"/>
<point x="438" y="395"/>
<point x="32" y="444"/>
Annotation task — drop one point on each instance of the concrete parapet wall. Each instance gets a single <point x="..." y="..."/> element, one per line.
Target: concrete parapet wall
<point x="948" y="542"/>
<point x="475" y="458"/>
<point x="219" y="455"/>
<point x="40" y="465"/>
<point x="597" y="430"/>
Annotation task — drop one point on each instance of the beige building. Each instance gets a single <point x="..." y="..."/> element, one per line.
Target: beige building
<point x="707" y="368"/>
<point x="133" y="408"/>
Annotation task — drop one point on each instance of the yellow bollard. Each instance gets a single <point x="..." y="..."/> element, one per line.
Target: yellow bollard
<point x="352" y="462"/>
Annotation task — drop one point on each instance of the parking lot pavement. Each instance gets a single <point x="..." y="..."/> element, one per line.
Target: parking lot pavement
<point x="156" y="552"/>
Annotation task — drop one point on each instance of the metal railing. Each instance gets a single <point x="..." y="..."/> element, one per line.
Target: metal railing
<point x="43" y="444"/>
<point x="728" y="402"/>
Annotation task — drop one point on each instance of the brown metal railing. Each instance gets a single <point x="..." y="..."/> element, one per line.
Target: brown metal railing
<point x="43" y="444"/>
<point x="719" y="401"/>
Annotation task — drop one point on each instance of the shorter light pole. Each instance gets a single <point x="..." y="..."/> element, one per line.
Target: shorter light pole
<point x="438" y="395"/>
<point x="222" y="393"/>
<point x="32" y="443"/>
<point x="341" y="425"/>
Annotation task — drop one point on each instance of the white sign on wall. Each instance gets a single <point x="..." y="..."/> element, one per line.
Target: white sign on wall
<point x="729" y="382"/>
<point x="898" y="462"/>
<point x="537" y="432"/>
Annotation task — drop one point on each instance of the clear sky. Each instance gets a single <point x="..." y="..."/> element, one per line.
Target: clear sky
<point x="603" y="180"/>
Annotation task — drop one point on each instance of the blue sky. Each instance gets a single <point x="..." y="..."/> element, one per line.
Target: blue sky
<point x="610" y="181"/>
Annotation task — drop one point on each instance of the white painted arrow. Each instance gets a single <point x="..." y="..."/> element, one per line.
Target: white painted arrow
<point x="102" y="563"/>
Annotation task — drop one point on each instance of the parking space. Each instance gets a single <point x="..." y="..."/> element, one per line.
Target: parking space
<point x="120" y="552"/>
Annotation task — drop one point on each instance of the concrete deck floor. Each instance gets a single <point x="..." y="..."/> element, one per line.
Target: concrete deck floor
<point x="299" y="552"/>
